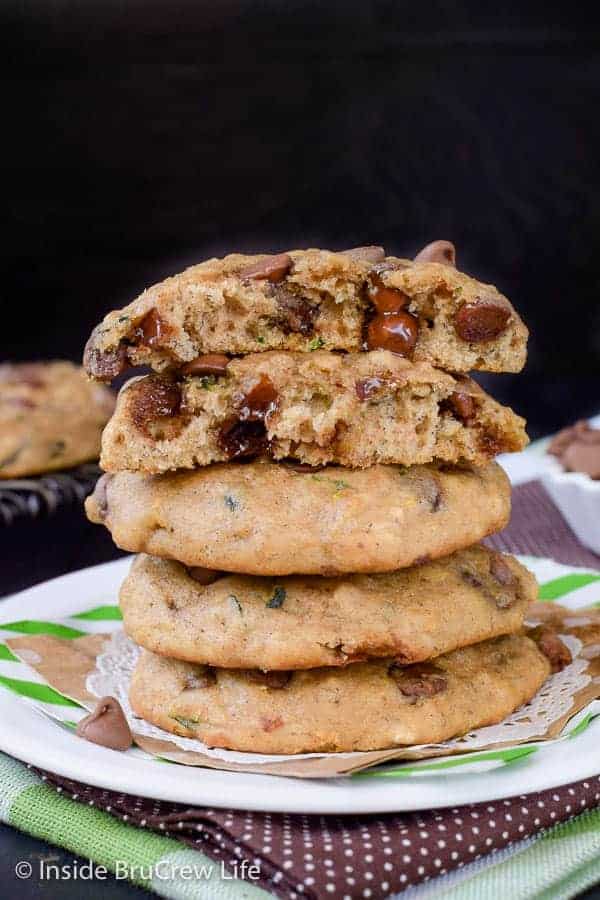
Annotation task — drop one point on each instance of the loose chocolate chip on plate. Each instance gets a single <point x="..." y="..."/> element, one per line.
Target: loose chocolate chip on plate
<point x="207" y="364"/>
<point x="397" y="332"/>
<point x="481" y="320"/>
<point x="272" y="268"/>
<point x="106" y="725"/>
<point x="438" y="251"/>
<point x="371" y="254"/>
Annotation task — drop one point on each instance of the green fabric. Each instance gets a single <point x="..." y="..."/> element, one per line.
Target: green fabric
<point x="134" y="854"/>
<point x="558" y="587"/>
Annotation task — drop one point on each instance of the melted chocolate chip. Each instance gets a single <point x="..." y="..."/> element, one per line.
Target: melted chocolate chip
<point x="207" y="364"/>
<point x="272" y="679"/>
<point x="420" y="680"/>
<point x="272" y="268"/>
<point x="104" y="365"/>
<point x="461" y="405"/>
<point x="559" y="655"/>
<point x="500" y="570"/>
<point x="296" y="314"/>
<point x="203" y="677"/>
<point x="259" y="401"/>
<point x="481" y="320"/>
<point x="367" y="387"/>
<point x="239" y="439"/>
<point x="151" y="330"/>
<point x="396" y="332"/>
<point x="204" y="576"/>
<point x="154" y="397"/>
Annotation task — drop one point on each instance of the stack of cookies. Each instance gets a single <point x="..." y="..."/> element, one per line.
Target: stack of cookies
<point x="306" y="476"/>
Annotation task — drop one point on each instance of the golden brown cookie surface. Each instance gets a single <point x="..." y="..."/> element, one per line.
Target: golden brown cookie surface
<point x="51" y="417"/>
<point x="364" y="706"/>
<point x="303" y="622"/>
<point x="354" y="410"/>
<point x="265" y="518"/>
<point x="306" y="299"/>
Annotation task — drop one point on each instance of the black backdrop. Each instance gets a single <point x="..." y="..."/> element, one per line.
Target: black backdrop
<point x="140" y="137"/>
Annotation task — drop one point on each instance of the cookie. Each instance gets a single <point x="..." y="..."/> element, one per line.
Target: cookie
<point x="354" y="409"/>
<point x="364" y="706"/>
<point x="304" y="622"/>
<point x="265" y="518"/>
<point x="425" y="310"/>
<point x="51" y="417"/>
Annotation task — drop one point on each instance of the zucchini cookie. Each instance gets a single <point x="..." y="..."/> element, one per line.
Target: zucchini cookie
<point x="356" y="409"/>
<point x="305" y="299"/>
<point x="364" y="706"/>
<point x="265" y="518"/>
<point x="240" y="621"/>
<point x="51" y="417"/>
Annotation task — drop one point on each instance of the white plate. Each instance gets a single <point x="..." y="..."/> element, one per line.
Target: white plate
<point x="29" y="736"/>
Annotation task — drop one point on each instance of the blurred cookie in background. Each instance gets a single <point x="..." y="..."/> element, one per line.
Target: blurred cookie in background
<point x="51" y="417"/>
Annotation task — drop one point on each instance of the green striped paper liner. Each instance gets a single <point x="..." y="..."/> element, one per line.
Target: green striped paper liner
<point x="575" y="589"/>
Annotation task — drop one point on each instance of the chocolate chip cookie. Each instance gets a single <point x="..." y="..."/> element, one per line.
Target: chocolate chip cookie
<point x="240" y="621"/>
<point x="264" y="518"/>
<point x="425" y="310"/>
<point x="355" y="409"/>
<point x="51" y="417"/>
<point x="364" y="706"/>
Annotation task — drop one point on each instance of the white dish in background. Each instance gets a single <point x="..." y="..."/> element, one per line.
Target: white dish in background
<point x="30" y="736"/>
<point x="577" y="496"/>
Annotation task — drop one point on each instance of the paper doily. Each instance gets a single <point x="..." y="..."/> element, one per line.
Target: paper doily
<point x="115" y="665"/>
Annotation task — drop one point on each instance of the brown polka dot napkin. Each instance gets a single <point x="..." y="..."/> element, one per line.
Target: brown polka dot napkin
<point x="374" y="856"/>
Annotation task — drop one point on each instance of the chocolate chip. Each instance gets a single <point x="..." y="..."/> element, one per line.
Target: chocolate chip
<point x="259" y="401"/>
<point x="296" y="314"/>
<point x="154" y="397"/>
<point x="469" y="577"/>
<point x="386" y="299"/>
<point x="207" y="364"/>
<point x="272" y="268"/>
<point x="368" y="387"/>
<point x="500" y="570"/>
<point x="397" y="332"/>
<point x="552" y="647"/>
<point x="106" y="726"/>
<point x="104" y="365"/>
<point x="151" y="330"/>
<point x="203" y="677"/>
<point x="462" y="405"/>
<point x="239" y="439"/>
<point x="481" y="320"/>
<point x="101" y="495"/>
<point x="365" y="254"/>
<point x="301" y="468"/>
<point x="274" y="680"/>
<point x="204" y="576"/>
<point x="438" y="251"/>
<point x="420" y="680"/>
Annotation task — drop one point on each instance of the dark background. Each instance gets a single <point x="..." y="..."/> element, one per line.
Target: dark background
<point x="139" y="137"/>
<point x="146" y="136"/>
